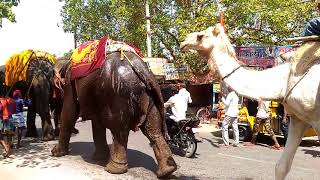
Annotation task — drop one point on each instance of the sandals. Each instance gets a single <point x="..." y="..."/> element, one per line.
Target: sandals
<point x="274" y="147"/>
<point x="249" y="144"/>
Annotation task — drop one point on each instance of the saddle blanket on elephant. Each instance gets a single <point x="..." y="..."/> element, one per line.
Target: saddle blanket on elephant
<point x="90" y="55"/>
<point x="16" y="66"/>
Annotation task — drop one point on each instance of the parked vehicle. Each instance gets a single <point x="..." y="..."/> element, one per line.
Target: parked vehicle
<point x="246" y="122"/>
<point x="182" y="136"/>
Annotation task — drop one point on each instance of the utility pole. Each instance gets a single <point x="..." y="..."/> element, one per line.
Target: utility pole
<point x="148" y="29"/>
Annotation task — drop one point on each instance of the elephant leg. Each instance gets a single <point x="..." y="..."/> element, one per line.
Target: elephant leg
<point x="56" y="124"/>
<point x="99" y="138"/>
<point x="118" y="163"/>
<point x="47" y="129"/>
<point x="152" y="130"/>
<point x="68" y="120"/>
<point x="31" y="123"/>
<point x="296" y="131"/>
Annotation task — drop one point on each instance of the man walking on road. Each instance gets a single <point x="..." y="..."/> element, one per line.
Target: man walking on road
<point x="263" y="117"/>
<point x="231" y="117"/>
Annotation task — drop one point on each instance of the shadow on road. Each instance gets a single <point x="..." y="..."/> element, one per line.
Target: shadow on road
<point x="315" y="154"/>
<point x="214" y="144"/>
<point x="135" y="158"/>
<point x="33" y="153"/>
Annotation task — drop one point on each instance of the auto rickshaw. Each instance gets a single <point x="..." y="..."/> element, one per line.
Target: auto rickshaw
<point x="246" y="122"/>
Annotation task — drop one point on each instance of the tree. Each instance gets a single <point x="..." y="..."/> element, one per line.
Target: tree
<point x="249" y="22"/>
<point x="268" y="22"/>
<point x="6" y="10"/>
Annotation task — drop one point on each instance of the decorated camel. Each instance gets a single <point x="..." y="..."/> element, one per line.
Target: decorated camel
<point x="295" y="84"/>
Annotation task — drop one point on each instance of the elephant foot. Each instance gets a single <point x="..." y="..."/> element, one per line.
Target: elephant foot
<point x="116" y="168"/>
<point x="166" y="167"/>
<point x="58" y="151"/>
<point x="48" y="137"/>
<point x="33" y="134"/>
<point x="100" y="156"/>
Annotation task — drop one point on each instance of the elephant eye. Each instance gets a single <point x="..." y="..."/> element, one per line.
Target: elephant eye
<point x="199" y="37"/>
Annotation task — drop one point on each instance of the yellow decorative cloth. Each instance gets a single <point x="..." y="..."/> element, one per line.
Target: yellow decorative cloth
<point x="16" y="66"/>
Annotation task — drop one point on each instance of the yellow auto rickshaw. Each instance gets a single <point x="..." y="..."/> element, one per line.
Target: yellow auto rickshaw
<point x="246" y="122"/>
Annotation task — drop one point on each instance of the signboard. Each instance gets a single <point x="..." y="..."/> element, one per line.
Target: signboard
<point x="156" y="65"/>
<point x="172" y="73"/>
<point x="256" y="56"/>
<point x="216" y="87"/>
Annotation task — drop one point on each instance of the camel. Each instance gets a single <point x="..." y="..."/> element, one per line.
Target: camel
<point x="295" y="84"/>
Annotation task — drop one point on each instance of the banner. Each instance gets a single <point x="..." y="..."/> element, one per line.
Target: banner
<point x="281" y="50"/>
<point x="256" y="56"/>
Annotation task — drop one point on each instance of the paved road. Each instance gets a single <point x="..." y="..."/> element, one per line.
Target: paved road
<point x="33" y="161"/>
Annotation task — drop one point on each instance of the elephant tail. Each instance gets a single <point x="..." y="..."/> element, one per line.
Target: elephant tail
<point x="153" y="88"/>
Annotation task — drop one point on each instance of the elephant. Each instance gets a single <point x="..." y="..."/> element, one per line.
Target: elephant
<point x="121" y="95"/>
<point x="57" y="100"/>
<point x="39" y="88"/>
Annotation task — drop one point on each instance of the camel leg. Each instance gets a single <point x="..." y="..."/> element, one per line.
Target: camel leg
<point x="68" y="120"/>
<point x="99" y="138"/>
<point x="296" y="131"/>
<point x="118" y="163"/>
<point x="152" y="130"/>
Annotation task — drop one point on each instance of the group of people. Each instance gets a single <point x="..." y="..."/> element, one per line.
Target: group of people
<point x="12" y="121"/>
<point x="263" y="117"/>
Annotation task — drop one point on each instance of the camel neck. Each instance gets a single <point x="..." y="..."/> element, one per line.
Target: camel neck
<point x="267" y="84"/>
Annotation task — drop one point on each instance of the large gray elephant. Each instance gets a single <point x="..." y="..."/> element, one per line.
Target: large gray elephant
<point x="121" y="97"/>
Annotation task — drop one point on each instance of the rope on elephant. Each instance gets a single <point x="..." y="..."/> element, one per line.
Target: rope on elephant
<point x="16" y="66"/>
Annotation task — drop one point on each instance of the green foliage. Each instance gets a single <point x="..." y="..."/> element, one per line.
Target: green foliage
<point x="6" y="10"/>
<point x="196" y="63"/>
<point x="266" y="22"/>
<point x="67" y="55"/>
<point x="249" y="22"/>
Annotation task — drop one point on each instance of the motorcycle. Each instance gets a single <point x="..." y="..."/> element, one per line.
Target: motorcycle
<point x="182" y="136"/>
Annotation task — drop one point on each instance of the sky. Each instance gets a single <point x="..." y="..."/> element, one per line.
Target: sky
<point x="36" y="28"/>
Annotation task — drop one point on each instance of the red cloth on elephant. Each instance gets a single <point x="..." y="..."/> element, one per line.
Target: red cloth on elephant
<point x="88" y="57"/>
<point x="8" y="107"/>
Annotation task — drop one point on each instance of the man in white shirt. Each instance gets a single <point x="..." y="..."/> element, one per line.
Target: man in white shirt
<point x="231" y="117"/>
<point x="179" y="104"/>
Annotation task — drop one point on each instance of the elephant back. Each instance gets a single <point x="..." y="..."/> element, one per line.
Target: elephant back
<point x="17" y="65"/>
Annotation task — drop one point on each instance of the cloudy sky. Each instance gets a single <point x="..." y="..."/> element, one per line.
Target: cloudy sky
<point x="36" y="28"/>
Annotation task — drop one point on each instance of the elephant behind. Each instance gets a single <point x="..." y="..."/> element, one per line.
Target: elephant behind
<point x="38" y="87"/>
<point x="122" y="95"/>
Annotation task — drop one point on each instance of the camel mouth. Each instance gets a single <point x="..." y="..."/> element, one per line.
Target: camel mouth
<point x="183" y="47"/>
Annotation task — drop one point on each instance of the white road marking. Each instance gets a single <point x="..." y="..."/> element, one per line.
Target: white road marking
<point x="260" y="161"/>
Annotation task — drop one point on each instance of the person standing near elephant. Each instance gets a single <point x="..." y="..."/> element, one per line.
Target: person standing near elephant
<point x="19" y="121"/>
<point x="231" y="117"/>
<point x="6" y="124"/>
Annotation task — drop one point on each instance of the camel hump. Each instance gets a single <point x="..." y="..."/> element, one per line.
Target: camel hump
<point x="306" y="56"/>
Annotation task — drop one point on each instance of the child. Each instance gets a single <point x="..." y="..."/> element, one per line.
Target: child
<point x="18" y="118"/>
<point x="6" y="124"/>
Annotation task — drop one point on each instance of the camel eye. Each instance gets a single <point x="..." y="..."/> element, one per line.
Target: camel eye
<point x="199" y="37"/>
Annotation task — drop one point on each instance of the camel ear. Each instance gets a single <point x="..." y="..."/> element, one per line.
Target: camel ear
<point x="218" y="29"/>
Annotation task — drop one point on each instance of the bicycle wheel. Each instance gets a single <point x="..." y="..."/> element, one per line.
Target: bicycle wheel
<point x="203" y="114"/>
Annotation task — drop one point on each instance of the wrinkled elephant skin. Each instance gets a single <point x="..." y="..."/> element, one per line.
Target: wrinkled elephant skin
<point x="121" y="98"/>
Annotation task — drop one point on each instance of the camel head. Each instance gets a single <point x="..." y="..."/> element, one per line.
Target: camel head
<point x="203" y="40"/>
<point x="208" y="42"/>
